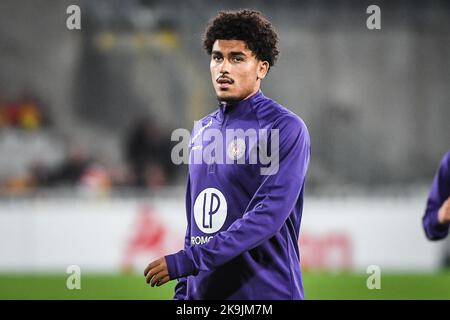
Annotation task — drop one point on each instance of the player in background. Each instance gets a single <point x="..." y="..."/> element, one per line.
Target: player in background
<point x="436" y="220"/>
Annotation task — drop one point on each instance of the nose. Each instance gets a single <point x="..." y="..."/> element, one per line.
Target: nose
<point x="224" y="66"/>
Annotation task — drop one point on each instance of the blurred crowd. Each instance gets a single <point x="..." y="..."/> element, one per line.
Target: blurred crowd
<point x="146" y="149"/>
<point x="25" y="112"/>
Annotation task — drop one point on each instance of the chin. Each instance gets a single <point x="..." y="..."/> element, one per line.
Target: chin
<point x="229" y="100"/>
<point x="226" y="97"/>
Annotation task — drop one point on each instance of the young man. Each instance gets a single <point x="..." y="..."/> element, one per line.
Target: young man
<point x="243" y="225"/>
<point x="436" y="221"/>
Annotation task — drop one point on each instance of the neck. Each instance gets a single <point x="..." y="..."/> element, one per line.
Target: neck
<point x="252" y="94"/>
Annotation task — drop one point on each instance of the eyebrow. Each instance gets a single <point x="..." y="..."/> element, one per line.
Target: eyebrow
<point x="233" y="53"/>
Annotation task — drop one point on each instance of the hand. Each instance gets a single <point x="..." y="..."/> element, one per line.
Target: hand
<point x="157" y="272"/>
<point x="444" y="212"/>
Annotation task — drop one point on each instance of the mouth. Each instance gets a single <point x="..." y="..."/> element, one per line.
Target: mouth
<point x="224" y="82"/>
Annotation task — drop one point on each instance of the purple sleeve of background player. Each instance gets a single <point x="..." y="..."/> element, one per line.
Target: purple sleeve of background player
<point x="440" y="192"/>
<point x="267" y="211"/>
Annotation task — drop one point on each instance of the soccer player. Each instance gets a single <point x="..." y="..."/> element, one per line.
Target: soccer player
<point x="242" y="226"/>
<point x="436" y="220"/>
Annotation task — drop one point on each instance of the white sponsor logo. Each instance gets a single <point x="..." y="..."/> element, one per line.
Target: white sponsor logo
<point x="210" y="210"/>
<point x="199" y="147"/>
<point x="199" y="132"/>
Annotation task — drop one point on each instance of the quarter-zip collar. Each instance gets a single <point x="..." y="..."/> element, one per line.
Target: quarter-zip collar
<point x="239" y="108"/>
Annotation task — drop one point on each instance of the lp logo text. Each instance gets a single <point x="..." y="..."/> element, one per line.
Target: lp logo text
<point x="210" y="210"/>
<point x="207" y="215"/>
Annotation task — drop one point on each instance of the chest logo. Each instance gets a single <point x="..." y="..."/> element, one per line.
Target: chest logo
<point x="210" y="210"/>
<point x="236" y="149"/>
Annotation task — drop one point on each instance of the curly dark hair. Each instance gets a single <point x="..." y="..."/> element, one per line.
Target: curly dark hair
<point x="246" y="25"/>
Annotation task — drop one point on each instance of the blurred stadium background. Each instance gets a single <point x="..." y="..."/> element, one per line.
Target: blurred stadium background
<point x="86" y="117"/>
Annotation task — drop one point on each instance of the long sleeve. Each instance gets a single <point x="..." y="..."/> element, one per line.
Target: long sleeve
<point x="440" y="192"/>
<point x="181" y="286"/>
<point x="267" y="211"/>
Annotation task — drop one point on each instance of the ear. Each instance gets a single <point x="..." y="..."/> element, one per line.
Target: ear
<point x="263" y="68"/>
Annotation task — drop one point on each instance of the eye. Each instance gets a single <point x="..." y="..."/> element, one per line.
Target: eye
<point x="238" y="59"/>
<point x="217" y="58"/>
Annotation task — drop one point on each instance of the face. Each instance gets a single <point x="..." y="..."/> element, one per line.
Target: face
<point x="235" y="71"/>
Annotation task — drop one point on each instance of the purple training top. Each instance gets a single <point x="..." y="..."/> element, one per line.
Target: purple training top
<point x="243" y="227"/>
<point x="440" y="191"/>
